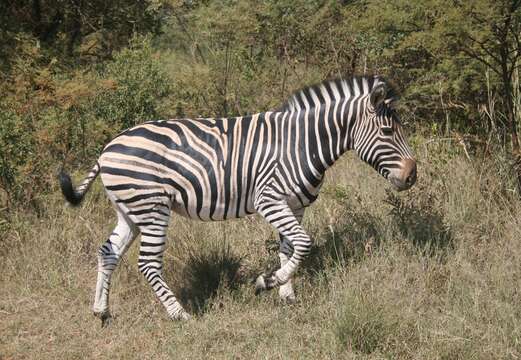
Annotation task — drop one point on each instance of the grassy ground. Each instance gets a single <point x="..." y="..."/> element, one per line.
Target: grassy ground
<point x="433" y="273"/>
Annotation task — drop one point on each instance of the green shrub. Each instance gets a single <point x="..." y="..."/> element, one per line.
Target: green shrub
<point x="16" y="146"/>
<point x="139" y="84"/>
<point x="57" y="117"/>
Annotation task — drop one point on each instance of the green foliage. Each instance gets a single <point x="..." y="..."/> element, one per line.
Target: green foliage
<point x="52" y="116"/>
<point x="232" y="58"/>
<point x="68" y="29"/>
<point x="16" y="146"/>
<point x="139" y="86"/>
<point x="71" y="90"/>
<point x="283" y="45"/>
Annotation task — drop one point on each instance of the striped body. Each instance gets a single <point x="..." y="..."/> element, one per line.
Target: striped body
<point x="272" y="163"/>
<point x="208" y="169"/>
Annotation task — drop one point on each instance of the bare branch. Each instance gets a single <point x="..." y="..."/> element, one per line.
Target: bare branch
<point x="484" y="48"/>
<point x="184" y="28"/>
<point x="480" y="58"/>
<point x="517" y="40"/>
<point x="475" y="16"/>
<point x="415" y="26"/>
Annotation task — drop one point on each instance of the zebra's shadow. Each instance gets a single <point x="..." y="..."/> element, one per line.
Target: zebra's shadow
<point x="204" y="273"/>
<point x="415" y="221"/>
<point x="344" y="243"/>
<point x="420" y="221"/>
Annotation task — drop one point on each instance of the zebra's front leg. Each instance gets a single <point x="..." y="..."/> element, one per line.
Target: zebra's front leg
<point x="278" y="214"/>
<point x="109" y="255"/>
<point x="150" y="264"/>
<point x="286" y="293"/>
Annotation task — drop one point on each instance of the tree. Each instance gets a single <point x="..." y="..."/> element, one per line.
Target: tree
<point x="62" y="25"/>
<point x="491" y="35"/>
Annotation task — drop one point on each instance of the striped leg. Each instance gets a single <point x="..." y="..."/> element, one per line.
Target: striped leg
<point x="278" y="214"/>
<point x="286" y="292"/>
<point x="150" y="264"/>
<point x="109" y="255"/>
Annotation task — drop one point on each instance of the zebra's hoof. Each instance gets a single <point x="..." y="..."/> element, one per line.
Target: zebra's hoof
<point x="288" y="300"/>
<point x="265" y="282"/>
<point x="180" y="315"/>
<point x="286" y="294"/>
<point x="260" y="284"/>
<point x="105" y="317"/>
<point x="184" y="316"/>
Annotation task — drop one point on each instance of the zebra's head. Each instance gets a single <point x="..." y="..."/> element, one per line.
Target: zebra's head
<point x="379" y="140"/>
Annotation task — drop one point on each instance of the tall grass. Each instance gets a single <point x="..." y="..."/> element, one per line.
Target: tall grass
<point x="433" y="273"/>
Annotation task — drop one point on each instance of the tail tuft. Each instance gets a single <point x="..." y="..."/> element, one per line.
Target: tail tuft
<point x="68" y="190"/>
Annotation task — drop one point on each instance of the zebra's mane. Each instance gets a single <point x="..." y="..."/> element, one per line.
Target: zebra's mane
<point x="355" y="86"/>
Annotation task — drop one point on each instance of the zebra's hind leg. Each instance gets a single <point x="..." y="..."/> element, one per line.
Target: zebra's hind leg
<point x="109" y="255"/>
<point x="150" y="264"/>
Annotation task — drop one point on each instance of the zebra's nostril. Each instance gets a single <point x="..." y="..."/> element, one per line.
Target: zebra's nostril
<point x="409" y="172"/>
<point x="411" y="179"/>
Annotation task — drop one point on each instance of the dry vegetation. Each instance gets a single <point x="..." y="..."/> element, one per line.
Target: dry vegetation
<point x="433" y="273"/>
<point x="429" y="274"/>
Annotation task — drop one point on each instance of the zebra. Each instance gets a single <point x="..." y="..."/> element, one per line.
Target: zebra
<point x="271" y="163"/>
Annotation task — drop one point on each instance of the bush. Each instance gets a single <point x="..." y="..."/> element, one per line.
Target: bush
<point x="54" y="117"/>
<point x="139" y="84"/>
<point x="16" y="147"/>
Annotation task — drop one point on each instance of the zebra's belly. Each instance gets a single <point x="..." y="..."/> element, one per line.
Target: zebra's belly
<point x="214" y="211"/>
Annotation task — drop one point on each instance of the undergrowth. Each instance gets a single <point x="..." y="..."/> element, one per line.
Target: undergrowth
<point x="431" y="273"/>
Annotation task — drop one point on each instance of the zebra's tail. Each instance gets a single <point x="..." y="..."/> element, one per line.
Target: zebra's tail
<point x="75" y="195"/>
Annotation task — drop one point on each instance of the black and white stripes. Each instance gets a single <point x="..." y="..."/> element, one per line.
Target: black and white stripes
<point x="272" y="163"/>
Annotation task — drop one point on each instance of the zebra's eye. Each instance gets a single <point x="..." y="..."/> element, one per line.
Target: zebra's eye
<point x="387" y="130"/>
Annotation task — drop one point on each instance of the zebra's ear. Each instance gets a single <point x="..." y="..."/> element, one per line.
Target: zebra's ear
<point x="391" y="101"/>
<point x="378" y="95"/>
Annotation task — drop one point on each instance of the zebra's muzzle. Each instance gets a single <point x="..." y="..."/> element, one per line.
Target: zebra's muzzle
<point x="406" y="177"/>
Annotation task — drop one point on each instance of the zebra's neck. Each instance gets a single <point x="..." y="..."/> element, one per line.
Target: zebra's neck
<point x="330" y="112"/>
<point x="325" y="133"/>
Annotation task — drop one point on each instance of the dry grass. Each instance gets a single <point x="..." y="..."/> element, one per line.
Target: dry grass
<point x="433" y="273"/>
